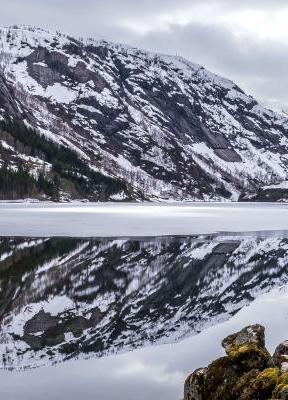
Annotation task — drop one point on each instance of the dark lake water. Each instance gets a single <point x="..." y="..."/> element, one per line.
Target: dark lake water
<point x="130" y="318"/>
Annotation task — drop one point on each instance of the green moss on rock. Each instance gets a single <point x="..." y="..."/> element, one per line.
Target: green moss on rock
<point x="281" y="389"/>
<point x="264" y="384"/>
<point x="249" y="356"/>
<point x="281" y="392"/>
<point x="242" y="390"/>
<point x="221" y="377"/>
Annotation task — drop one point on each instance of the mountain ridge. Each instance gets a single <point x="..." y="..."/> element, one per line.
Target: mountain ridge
<point x="166" y="128"/>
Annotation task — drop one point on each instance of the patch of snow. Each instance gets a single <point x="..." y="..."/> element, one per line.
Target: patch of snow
<point x="61" y="93"/>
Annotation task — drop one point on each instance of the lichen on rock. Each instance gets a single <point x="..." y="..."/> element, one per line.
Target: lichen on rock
<point x="249" y="356"/>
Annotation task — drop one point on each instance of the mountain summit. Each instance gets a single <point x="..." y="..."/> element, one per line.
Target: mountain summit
<point x="102" y="121"/>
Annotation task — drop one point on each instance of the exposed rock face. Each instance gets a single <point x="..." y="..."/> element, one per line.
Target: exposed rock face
<point x="169" y="128"/>
<point x="7" y="99"/>
<point x="248" y="372"/>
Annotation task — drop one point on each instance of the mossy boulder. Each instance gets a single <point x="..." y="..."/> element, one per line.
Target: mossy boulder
<point x="220" y="378"/>
<point x="246" y="348"/>
<point x="249" y="356"/>
<point x="248" y="372"/>
<point x="250" y="334"/>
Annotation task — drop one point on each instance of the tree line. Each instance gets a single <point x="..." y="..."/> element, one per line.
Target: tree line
<point x="19" y="184"/>
<point x="66" y="165"/>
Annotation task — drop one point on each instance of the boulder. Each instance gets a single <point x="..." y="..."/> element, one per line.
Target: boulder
<point x="246" y="348"/>
<point x="220" y="379"/>
<point x="194" y="385"/>
<point x="247" y="372"/>
<point x="280" y="356"/>
<point x="251" y="334"/>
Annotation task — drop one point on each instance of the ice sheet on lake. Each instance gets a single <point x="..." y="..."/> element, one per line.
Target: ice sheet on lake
<point x="145" y="219"/>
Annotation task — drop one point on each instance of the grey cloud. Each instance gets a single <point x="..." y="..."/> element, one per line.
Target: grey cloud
<point x="258" y="66"/>
<point x="88" y="17"/>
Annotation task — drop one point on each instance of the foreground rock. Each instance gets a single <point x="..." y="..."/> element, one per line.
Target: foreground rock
<point x="247" y="372"/>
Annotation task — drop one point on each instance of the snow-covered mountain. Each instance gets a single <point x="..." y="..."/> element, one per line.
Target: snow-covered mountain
<point x="65" y="298"/>
<point x="163" y="127"/>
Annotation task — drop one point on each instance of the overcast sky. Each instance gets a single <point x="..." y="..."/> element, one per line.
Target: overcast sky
<point x="245" y="40"/>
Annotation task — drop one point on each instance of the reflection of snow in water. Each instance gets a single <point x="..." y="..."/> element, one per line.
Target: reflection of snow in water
<point x="156" y="372"/>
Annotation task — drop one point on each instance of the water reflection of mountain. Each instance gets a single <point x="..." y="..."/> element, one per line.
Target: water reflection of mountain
<point x="61" y="298"/>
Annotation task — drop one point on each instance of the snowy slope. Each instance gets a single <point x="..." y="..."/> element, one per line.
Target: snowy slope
<point x="168" y="127"/>
<point x="65" y="298"/>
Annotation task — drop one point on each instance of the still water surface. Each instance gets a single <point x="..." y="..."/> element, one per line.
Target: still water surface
<point x="128" y="318"/>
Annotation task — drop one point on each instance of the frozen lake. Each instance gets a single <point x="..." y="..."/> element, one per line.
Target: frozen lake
<point x="115" y="220"/>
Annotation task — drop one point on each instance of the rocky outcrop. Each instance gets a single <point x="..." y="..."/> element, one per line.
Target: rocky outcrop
<point x="247" y="372"/>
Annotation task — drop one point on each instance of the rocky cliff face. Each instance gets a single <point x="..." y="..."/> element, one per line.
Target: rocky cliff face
<point x="247" y="372"/>
<point x="65" y="298"/>
<point x="167" y="128"/>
